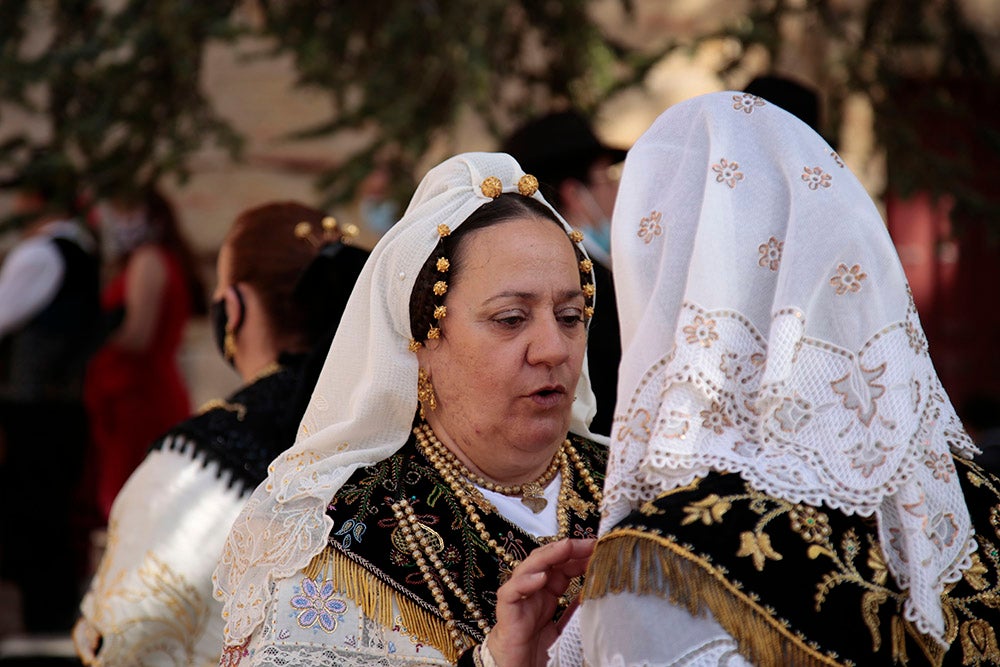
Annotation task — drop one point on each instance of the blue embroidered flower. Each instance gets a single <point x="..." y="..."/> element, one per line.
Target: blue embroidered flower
<point x="351" y="529"/>
<point x="318" y="605"/>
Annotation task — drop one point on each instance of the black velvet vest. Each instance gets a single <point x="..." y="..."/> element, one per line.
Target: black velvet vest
<point x="794" y="584"/>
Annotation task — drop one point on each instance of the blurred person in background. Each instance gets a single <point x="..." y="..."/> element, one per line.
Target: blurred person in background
<point x="578" y="174"/>
<point x="134" y="389"/>
<point x="284" y="274"/>
<point x="49" y="308"/>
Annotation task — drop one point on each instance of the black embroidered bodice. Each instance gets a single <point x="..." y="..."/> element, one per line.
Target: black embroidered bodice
<point x="246" y="431"/>
<point x="794" y="584"/>
<point x="367" y="531"/>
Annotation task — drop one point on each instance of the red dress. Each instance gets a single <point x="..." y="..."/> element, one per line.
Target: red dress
<point x="133" y="397"/>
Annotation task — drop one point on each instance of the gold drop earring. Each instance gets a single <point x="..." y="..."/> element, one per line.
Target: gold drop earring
<point x="229" y="345"/>
<point x="425" y="392"/>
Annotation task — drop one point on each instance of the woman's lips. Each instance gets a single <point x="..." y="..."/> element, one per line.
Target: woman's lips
<point x="549" y="396"/>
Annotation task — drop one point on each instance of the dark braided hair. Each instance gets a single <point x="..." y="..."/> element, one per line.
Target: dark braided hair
<point x="505" y="207"/>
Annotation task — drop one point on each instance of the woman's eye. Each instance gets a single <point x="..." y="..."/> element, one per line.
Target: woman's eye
<point x="509" y="320"/>
<point x="571" y="318"/>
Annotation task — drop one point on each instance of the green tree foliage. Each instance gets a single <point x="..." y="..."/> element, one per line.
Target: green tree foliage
<point x="120" y="89"/>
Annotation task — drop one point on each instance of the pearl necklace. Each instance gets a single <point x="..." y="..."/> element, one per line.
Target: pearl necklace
<point x="423" y="547"/>
<point x="532" y="493"/>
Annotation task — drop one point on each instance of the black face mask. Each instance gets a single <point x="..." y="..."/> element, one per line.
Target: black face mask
<point x="220" y="321"/>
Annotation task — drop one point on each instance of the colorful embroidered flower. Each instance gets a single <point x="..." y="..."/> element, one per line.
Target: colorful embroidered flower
<point x="770" y="253"/>
<point x="816" y="178"/>
<point x="940" y="465"/>
<point x="351" y="530"/>
<point x="708" y="510"/>
<point x="727" y="172"/>
<point x="758" y="546"/>
<point x="318" y="605"/>
<point x="715" y="419"/>
<point x="812" y="525"/>
<point x="701" y="331"/>
<point x="747" y="102"/>
<point x="650" y="227"/>
<point x="848" y="279"/>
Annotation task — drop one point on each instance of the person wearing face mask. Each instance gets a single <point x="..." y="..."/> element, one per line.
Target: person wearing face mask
<point x="284" y="275"/>
<point x="578" y="174"/>
<point x="134" y="389"/>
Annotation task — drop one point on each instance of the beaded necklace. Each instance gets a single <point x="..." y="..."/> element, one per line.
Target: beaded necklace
<point x="423" y="546"/>
<point x="531" y="493"/>
<point x="462" y="483"/>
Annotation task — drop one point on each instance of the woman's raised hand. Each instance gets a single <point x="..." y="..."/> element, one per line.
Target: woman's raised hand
<point x="526" y="603"/>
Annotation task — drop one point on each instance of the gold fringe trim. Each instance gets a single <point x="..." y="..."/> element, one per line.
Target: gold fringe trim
<point x="641" y="563"/>
<point x="377" y="599"/>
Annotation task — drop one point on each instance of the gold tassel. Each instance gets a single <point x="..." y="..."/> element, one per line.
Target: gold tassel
<point x="377" y="600"/>
<point x="650" y="565"/>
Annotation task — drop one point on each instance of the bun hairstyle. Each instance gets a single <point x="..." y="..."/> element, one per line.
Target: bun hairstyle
<point x="303" y="278"/>
<point x="425" y="299"/>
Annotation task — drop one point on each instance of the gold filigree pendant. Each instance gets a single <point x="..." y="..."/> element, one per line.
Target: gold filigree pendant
<point x="532" y="496"/>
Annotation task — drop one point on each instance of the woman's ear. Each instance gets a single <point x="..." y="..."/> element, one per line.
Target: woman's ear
<point x="235" y="306"/>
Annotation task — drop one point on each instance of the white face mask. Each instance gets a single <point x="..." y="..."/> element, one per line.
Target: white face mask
<point x="599" y="231"/>
<point x="122" y="230"/>
<point x="379" y="214"/>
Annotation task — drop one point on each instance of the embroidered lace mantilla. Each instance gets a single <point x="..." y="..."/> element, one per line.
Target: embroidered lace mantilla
<point x="844" y="443"/>
<point x="768" y="330"/>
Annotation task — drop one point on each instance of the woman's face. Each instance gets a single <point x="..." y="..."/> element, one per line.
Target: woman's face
<point x="512" y="346"/>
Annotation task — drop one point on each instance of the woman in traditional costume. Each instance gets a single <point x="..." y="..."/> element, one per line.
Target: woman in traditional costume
<point x="284" y="276"/>
<point x="788" y="482"/>
<point x="446" y="438"/>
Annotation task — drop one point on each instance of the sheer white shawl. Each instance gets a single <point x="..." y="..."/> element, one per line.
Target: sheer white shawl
<point x="363" y="405"/>
<point x="768" y="329"/>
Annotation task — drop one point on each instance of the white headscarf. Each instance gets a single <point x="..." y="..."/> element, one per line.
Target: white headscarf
<point x="363" y="406"/>
<point x="768" y="330"/>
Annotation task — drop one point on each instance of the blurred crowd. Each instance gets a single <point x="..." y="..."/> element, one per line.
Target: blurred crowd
<point x="117" y="494"/>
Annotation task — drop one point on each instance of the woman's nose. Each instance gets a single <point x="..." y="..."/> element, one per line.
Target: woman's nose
<point x="549" y="343"/>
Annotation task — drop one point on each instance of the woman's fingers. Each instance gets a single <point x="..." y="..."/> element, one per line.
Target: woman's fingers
<point x="550" y="567"/>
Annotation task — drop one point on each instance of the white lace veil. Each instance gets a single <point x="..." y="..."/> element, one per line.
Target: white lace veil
<point x="768" y="329"/>
<point x="363" y="405"/>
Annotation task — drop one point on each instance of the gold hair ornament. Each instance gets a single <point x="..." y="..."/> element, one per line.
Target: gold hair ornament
<point x="331" y="232"/>
<point x="491" y="187"/>
<point x="527" y="185"/>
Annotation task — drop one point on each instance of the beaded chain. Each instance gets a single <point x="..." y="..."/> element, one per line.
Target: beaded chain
<point x="531" y="492"/>
<point x="461" y="482"/>
<point x="417" y="547"/>
<point x="460" y="479"/>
